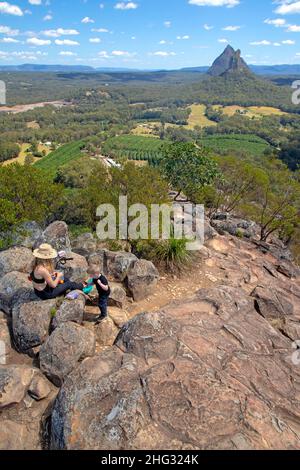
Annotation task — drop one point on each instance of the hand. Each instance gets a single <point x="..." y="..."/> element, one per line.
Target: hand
<point x="60" y="275"/>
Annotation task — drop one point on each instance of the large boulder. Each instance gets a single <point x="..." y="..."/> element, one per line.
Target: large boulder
<point x="70" y="311"/>
<point x="106" y="332"/>
<point x="76" y="268"/>
<point x="16" y="259"/>
<point x="117" y="296"/>
<point x="142" y="279"/>
<point x="118" y="264"/>
<point x="208" y="372"/>
<point x="13" y="436"/>
<point x="15" y="289"/>
<point x="14" y="383"/>
<point x="272" y="303"/>
<point x="31" y="323"/>
<point x="57" y="235"/>
<point x="68" y="345"/>
<point x="6" y="351"/>
<point x="84" y="245"/>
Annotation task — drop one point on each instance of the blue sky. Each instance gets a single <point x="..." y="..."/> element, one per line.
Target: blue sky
<point x="148" y="34"/>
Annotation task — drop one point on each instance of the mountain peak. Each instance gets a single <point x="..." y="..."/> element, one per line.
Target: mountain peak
<point x="229" y="61"/>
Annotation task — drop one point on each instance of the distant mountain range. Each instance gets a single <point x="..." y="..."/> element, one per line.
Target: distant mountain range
<point x="220" y="64"/>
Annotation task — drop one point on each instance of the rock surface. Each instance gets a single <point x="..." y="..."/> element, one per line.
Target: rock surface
<point x="142" y="279"/>
<point x="16" y="259"/>
<point x="64" y="349"/>
<point x="226" y="368"/>
<point x="31" y="324"/>
<point x="70" y="311"/>
<point x="15" y="289"/>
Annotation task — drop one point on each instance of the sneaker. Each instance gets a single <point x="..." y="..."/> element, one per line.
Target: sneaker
<point x="100" y="320"/>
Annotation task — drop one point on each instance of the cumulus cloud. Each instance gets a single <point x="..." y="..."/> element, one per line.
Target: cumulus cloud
<point x="288" y="8"/>
<point x="9" y="9"/>
<point x="215" y="3"/>
<point x="56" y="33"/>
<point x="66" y="42"/>
<point x="38" y="42"/>
<point x="126" y="6"/>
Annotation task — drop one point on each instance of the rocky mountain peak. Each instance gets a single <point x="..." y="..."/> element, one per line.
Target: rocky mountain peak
<point x="229" y="61"/>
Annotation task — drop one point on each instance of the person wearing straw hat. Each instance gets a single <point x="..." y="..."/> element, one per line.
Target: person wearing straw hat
<point x="47" y="283"/>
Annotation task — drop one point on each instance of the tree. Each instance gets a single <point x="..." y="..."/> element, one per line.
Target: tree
<point x="188" y="168"/>
<point x="26" y="193"/>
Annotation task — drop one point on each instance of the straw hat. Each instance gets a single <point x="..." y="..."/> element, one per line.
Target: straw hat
<point x="45" y="251"/>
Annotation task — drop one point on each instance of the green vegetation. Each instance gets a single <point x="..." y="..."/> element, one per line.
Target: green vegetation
<point x="171" y="254"/>
<point x="8" y="150"/>
<point x="247" y="143"/>
<point x="60" y="157"/>
<point x="133" y="147"/>
<point x="187" y="168"/>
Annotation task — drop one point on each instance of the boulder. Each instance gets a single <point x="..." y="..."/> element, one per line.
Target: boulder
<point x="6" y="350"/>
<point x="13" y="436"/>
<point x="288" y="269"/>
<point x="118" y="264"/>
<point x="14" y="383"/>
<point x="76" y="269"/>
<point x="39" y="388"/>
<point x="106" y="332"/>
<point x="16" y="259"/>
<point x="70" y="311"/>
<point x="272" y="303"/>
<point x="209" y="231"/>
<point x="15" y="288"/>
<point x="64" y="349"/>
<point x="31" y="323"/>
<point x="207" y="372"/>
<point x="57" y="235"/>
<point x="84" y="245"/>
<point x="142" y="279"/>
<point x="117" y="296"/>
<point x="118" y="316"/>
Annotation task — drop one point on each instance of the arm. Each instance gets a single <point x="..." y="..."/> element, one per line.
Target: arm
<point x="48" y="278"/>
<point x="103" y="286"/>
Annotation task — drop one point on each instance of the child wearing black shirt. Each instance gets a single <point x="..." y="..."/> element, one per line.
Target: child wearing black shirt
<point x="103" y="289"/>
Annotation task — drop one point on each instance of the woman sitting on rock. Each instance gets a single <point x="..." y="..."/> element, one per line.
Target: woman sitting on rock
<point x="47" y="283"/>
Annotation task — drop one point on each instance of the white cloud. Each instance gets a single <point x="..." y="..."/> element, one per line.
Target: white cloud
<point x="8" y="31"/>
<point x="38" y="42"/>
<point x="288" y="8"/>
<point x="207" y="27"/>
<point x="56" y="33"/>
<point x="67" y="54"/>
<point x="163" y="54"/>
<point x="87" y="20"/>
<point x="278" y="22"/>
<point x="66" y="42"/>
<point x="8" y="40"/>
<point x="289" y="42"/>
<point x="35" y="2"/>
<point x="95" y="40"/>
<point x="215" y="3"/>
<point x="104" y="55"/>
<point x="293" y="28"/>
<point x="183" y="38"/>
<point x="10" y="9"/>
<point x="123" y="54"/>
<point x="48" y="17"/>
<point x="231" y="28"/>
<point x="223" y="41"/>
<point x="167" y="24"/>
<point x="126" y="6"/>
<point x="100" y="30"/>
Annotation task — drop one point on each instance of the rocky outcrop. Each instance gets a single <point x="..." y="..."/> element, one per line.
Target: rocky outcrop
<point x="31" y="324"/>
<point x="228" y="62"/>
<point x="15" y="289"/>
<point x="227" y="370"/>
<point x="118" y="264"/>
<point x="57" y="235"/>
<point x="70" y="311"/>
<point x="142" y="279"/>
<point x="76" y="268"/>
<point x="16" y="259"/>
<point x="64" y="349"/>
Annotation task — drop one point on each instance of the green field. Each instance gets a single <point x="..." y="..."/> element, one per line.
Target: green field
<point x="133" y="147"/>
<point x="250" y="144"/>
<point x="60" y="157"/>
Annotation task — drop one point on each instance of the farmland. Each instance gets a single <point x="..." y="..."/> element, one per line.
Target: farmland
<point x="248" y="144"/>
<point x="133" y="147"/>
<point x="198" y="118"/>
<point x="22" y="155"/>
<point x="60" y="157"/>
<point x="256" y="112"/>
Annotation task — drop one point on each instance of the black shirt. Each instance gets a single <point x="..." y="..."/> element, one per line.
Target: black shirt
<point x="102" y="293"/>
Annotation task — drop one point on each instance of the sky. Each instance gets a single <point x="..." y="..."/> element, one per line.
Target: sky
<point x="148" y="34"/>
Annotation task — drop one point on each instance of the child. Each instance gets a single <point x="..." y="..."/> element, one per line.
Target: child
<point x="103" y="289"/>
